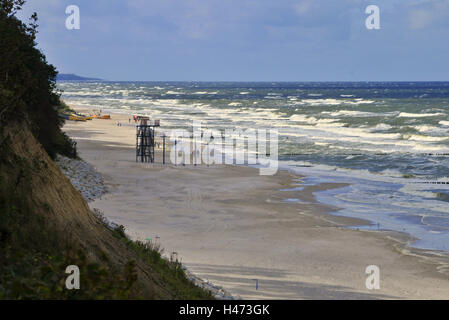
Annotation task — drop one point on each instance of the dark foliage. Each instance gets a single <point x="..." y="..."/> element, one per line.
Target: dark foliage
<point x="28" y="83"/>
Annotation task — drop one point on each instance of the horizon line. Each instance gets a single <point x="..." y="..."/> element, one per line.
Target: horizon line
<point x="261" y="81"/>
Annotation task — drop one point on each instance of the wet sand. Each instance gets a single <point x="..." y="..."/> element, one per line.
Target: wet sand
<point x="231" y="226"/>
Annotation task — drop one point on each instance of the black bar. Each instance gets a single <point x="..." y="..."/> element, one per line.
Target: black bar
<point x="229" y="310"/>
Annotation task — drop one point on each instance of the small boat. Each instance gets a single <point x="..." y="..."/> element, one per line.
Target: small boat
<point x="85" y="116"/>
<point x="73" y="117"/>
<point x="106" y="116"/>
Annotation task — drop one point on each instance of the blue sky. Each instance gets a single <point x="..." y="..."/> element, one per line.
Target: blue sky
<point x="247" y="40"/>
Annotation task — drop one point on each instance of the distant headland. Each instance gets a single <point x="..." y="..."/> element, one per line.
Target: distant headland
<point x="71" y="76"/>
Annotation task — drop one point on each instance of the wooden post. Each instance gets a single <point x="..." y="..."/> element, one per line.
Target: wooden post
<point x="176" y="154"/>
<point x="195" y="157"/>
<point x="163" y="149"/>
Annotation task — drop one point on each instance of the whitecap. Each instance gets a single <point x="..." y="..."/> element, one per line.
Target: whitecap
<point x="418" y="115"/>
<point x="353" y="113"/>
<point x="174" y="92"/>
<point x="381" y="127"/>
<point x="417" y="137"/>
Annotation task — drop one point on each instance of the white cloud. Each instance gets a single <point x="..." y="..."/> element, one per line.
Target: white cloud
<point x="303" y="7"/>
<point x="426" y="13"/>
<point x="420" y="19"/>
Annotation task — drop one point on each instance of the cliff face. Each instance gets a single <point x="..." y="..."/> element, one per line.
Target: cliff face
<point x="41" y="212"/>
<point x="27" y="168"/>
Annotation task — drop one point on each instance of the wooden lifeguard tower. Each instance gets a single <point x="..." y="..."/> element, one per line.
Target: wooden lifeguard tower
<point x="145" y="139"/>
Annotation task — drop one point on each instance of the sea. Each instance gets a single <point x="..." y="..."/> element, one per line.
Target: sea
<point x="389" y="141"/>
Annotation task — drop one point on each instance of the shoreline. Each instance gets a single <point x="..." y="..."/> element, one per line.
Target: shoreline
<point x="98" y="145"/>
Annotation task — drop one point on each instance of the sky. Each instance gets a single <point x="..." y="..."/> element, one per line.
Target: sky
<point x="246" y="40"/>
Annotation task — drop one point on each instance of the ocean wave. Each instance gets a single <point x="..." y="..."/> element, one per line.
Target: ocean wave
<point x="83" y="93"/>
<point x="333" y="102"/>
<point x="273" y="97"/>
<point x="205" y="92"/>
<point x="317" y="102"/>
<point x="418" y="115"/>
<point x="431" y="129"/>
<point x="417" y="137"/>
<point x="353" y="113"/>
<point x="311" y="119"/>
<point x="174" y="92"/>
<point x="381" y="127"/>
<point x="363" y="139"/>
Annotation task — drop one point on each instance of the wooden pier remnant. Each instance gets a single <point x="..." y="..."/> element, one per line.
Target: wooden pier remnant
<point x="145" y="139"/>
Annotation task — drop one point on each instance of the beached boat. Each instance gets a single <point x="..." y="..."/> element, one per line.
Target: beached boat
<point x="87" y="117"/>
<point x="106" y="116"/>
<point x="74" y="117"/>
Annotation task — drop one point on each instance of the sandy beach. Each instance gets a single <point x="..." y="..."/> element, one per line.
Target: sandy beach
<point x="229" y="225"/>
